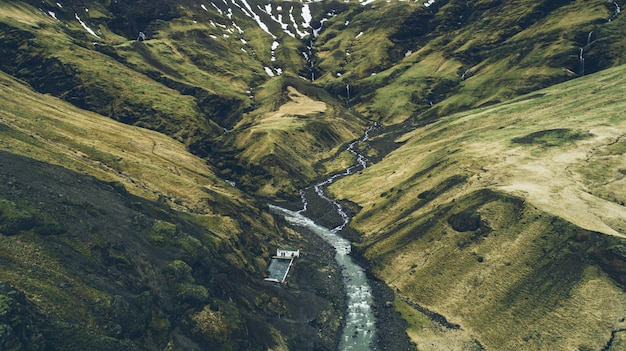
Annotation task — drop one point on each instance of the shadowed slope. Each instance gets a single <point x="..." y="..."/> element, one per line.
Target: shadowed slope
<point x="136" y="243"/>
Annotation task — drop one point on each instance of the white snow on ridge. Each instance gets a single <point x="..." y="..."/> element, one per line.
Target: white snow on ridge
<point x="306" y="16"/>
<point x="223" y="26"/>
<point x="256" y="17"/>
<point x="295" y="25"/>
<point x="284" y="26"/>
<point x="85" y="26"/>
<point x="218" y="9"/>
<point x="274" y="47"/>
<point x="238" y="28"/>
<point x="269" y="71"/>
<point x="279" y="19"/>
<point x="241" y="8"/>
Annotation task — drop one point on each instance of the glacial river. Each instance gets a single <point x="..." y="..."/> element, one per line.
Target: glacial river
<point x="359" y="330"/>
<point x="360" y="325"/>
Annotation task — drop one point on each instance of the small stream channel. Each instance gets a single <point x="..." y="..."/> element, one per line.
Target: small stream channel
<point x="360" y="324"/>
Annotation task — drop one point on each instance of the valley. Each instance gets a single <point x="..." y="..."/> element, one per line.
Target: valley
<point x="469" y="155"/>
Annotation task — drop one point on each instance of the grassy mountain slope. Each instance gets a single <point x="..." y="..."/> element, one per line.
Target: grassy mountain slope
<point x="137" y="244"/>
<point x="404" y="59"/>
<point x="195" y="76"/>
<point x="300" y="126"/>
<point x="209" y="67"/>
<point x="507" y="220"/>
<point x="501" y="227"/>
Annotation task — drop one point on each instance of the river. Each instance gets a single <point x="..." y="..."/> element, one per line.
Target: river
<point x="360" y="324"/>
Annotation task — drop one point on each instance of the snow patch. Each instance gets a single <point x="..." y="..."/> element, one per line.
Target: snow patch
<point x="85" y="26"/>
<point x="223" y="26"/>
<point x="428" y="3"/>
<point x="53" y="15"/>
<point x="306" y="16"/>
<point x="238" y="28"/>
<point x="241" y="8"/>
<point x="204" y="7"/>
<point x="218" y="9"/>
<point x="269" y="71"/>
<point x="295" y="25"/>
<point x="274" y="47"/>
<point x="256" y="17"/>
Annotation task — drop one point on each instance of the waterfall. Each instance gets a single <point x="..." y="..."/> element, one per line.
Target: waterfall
<point x="348" y="96"/>
<point x="617" y="9"/>
<point x="589" y="37"/>
<point x="581" y="60"/>
<point x="464" y="73"/>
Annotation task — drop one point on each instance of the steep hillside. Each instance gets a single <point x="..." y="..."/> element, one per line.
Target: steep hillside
<point x="204" y="72"/>
<point x="140" y="139"/>
<point x="403" y="59"/>
<point x="136" y="244"/>
<point x="202" y="75"/>
<point x="508" y="221"/>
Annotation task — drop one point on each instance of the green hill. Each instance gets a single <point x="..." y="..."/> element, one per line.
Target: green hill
<point x="508" y="220"/>
<point x="117" y="238"/>
<point x="141" y="140"/>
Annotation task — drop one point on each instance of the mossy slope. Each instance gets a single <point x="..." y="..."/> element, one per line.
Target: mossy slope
<point x="406" y="60"/>
<point x="506" y="220"/>
<point x="136" y="243"/>
<point x="194" y="78"/>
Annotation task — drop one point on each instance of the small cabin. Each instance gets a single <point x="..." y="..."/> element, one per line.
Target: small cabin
<point x="287" y="253"/>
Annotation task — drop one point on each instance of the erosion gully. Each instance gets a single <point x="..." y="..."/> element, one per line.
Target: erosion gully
<point x="360" y="324"/>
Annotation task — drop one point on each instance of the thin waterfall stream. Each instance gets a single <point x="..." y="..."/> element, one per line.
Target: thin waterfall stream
<point x="360" y="324"/>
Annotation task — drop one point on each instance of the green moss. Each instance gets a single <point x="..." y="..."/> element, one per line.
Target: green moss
<point x="13" y="219"/>
<point x="162" y="232"/>
<point x="179" y="272"/>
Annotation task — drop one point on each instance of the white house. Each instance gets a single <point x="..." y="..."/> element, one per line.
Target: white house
<point x="287" y="253"/>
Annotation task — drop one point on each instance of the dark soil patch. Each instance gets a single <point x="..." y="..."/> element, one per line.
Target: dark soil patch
<point x="551" y="137"/>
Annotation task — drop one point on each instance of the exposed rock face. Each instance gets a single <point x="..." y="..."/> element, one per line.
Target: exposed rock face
<point x="19" y="328"/>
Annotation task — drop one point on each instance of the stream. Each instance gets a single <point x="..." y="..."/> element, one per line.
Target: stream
<point x="360" y="324"/>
